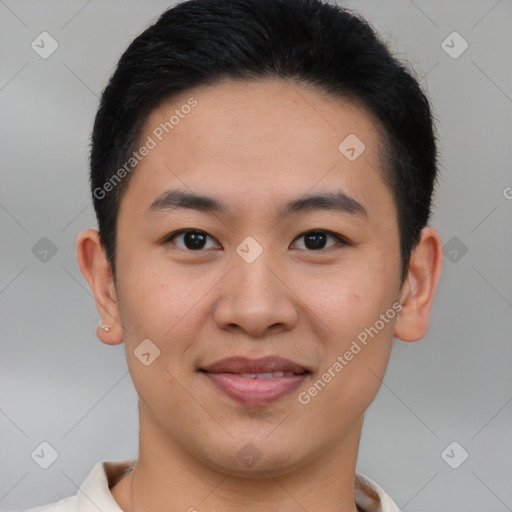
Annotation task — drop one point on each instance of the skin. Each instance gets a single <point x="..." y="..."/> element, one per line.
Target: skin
<point x="254" y="146"/>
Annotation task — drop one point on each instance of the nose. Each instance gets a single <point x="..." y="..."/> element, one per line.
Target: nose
<point x="256" y="298"/>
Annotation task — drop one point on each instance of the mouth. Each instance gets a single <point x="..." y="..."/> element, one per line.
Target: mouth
<point x="256" y="381"/>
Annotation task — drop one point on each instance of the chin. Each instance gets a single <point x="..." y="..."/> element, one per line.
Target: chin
<point x="258" y="460"/>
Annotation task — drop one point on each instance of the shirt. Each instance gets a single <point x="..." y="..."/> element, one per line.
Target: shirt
<point x="94" y="493"/>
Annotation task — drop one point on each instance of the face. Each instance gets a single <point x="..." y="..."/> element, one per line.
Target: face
<point x="287" y="262"/>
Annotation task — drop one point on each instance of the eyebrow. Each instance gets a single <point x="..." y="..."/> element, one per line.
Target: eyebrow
<point x="337" y="201"/>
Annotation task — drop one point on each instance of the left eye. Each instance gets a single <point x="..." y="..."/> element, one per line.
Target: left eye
<point x="317" y="239"/>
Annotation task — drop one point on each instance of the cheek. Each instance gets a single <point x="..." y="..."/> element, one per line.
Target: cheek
<point x="154" y="296"/>
<point x="355" y="320"/>
<point x="346" y="300"/>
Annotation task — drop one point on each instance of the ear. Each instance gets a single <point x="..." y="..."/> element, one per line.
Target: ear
<point x="419" y="287"/>
<point x="97" y="271"/>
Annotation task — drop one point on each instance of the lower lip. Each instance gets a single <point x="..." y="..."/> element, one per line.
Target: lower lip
<point x="255" y="391"/>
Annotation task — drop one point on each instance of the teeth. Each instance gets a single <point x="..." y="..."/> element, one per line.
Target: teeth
<point x="264" y="375"/>
<point x="269" y="375"/>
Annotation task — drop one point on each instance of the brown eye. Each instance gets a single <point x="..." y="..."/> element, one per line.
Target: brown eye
<point x="316" y="240"/>
<point x="191" y="239"/>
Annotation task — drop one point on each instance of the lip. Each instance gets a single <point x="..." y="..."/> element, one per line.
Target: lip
<point x="239" y="364"/>
<point x="226" y="375"/>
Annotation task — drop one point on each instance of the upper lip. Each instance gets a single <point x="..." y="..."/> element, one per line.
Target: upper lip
<point x="266" y="364"/>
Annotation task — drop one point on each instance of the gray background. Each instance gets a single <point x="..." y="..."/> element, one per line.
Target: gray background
<point x="59" y="384"/>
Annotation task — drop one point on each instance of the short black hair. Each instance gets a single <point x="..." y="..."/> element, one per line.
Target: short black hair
<point x="331" y="48"/>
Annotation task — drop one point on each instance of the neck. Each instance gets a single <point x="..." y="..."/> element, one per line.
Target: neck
<point x="167" y="477"/>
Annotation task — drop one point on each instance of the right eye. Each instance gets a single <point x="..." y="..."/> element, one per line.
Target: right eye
<point x="191" y="239"/>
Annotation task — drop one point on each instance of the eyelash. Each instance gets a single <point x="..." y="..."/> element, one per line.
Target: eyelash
<point x="341" y="241"/>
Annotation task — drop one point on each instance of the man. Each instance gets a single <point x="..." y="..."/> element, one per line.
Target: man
<point x="262" y="174"/>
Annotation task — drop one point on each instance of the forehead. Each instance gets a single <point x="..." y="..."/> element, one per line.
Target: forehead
<point x="253" y="140"/>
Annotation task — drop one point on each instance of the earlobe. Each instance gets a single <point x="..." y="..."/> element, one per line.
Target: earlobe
<point x="97" y="271"/>
<point x="419" y="288"/>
